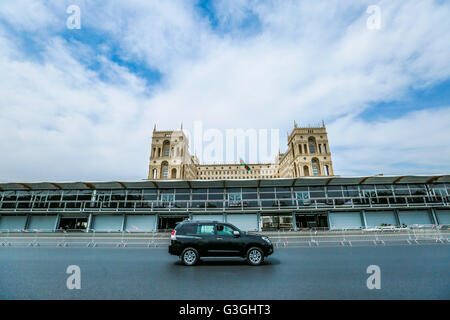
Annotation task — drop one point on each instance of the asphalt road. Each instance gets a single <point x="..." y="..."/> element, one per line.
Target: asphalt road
<point x="407" y="272"/>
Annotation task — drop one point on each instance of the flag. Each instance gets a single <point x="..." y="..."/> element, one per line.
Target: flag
<point x="244" y="164"/>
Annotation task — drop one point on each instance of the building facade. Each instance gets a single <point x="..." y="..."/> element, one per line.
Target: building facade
<point x="308" y="154"/>
<point x="253" y="205"/>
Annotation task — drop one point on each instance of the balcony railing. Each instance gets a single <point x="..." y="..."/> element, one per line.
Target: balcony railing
<point x="259" y="204"/>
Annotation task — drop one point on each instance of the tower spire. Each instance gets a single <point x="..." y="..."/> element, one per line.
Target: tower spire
<point x="154" y="127"/>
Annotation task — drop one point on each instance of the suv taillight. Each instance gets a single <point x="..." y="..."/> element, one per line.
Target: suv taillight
<point x="173" y="235"/>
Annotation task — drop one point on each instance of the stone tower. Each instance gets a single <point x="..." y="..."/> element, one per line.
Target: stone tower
<point x="308" y="153"/>
<point x="170" y="157"/>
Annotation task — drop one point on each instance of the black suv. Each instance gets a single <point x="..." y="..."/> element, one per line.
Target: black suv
<point x="194" y="239"/>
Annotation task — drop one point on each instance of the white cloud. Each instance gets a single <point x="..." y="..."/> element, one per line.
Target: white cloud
<point x="415" y="143"/>
<point x="309" y="61"/>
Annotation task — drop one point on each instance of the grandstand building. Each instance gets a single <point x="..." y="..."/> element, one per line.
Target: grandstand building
<point x="250" y="204"/>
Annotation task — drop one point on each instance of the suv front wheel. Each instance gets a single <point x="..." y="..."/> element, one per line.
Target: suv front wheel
<point x="255" y="256"/>
<point x="189" y="256"/>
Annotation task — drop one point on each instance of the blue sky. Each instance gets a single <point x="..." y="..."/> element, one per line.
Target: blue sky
<point x="81" y="104"/>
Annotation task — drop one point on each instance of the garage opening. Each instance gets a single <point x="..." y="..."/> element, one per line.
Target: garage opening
<point x="169" y="223"/>
<point x="272" y="223"/>
<point x="306" y="221"/>
<point x="73" y="224"/>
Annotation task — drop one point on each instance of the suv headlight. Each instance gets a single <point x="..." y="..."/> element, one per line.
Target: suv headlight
<point x="266" y="240"/>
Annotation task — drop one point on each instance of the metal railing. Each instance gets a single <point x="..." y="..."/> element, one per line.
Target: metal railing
<point x="419" y="234"/>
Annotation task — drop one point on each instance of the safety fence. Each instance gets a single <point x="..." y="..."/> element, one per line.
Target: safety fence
<point x="423" y="234"/>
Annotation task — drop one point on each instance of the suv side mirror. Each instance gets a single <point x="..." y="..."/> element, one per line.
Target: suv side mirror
<point x="236" y="233"/>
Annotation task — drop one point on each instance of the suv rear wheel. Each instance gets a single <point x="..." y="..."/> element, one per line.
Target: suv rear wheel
<point x="189" y="256"/>
<point x="255" y="256"/>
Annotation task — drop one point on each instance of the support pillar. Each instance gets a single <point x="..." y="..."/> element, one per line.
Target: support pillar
<point x="363" y="214"/>
<point x="294" y="221"/>
<point x="397" y="219"/>
<point x="89" y="222"/>
<point x="124" y="221"/>
<point x="434" y="217"/>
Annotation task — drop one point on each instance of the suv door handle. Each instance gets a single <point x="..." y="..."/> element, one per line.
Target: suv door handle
<point x="219" y="238"/>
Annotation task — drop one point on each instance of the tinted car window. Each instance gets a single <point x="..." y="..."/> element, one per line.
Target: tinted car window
<point x="205" y="229"/>
<point x="188" y="228"/>
<point x="224" y="230"/>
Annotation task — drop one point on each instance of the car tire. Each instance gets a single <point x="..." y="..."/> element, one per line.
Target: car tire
<point x="255" y="256"/>
<point x="189" y="257"/>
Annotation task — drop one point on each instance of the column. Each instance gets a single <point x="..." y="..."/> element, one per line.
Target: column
<point x="124" y="221"/>
<point x="89" y="222"/>
<point x="363" y="214"/>
<point x="434" y="218"/>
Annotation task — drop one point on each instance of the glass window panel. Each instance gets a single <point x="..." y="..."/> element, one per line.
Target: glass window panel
<point x="249" y="190"/>
<point x="401" y="190"/>
<point x="249" y="196"/>
<point x="384" y="190"/>
<point x="134" y="195"/>
<point x="23" y="196"/>
<point x="214" y="204"/>
<point x="184" y="190"/>
<point x="118" y="195"/>
<point x="267" y="195"/>
<point x="150" y="191"/>
<point x="152" y="196"/>
<point x="201" y="196"/>
<point x="234" y="196"/>
<point x="269" y="203"/>
<point x="233" y="190"/>
<point x="182" y="197"/>
<point x="205" y="229"/>
<point x="166" y="191"/>
<point x="167" y="197"/>
<point x="284" y="195"/>
<point x="197" y="191"/>
<point x="267" y="189"/>
<point x="54" y="196"/>
<point x="216" y="190"/>
<point x="301" y="189"/>
<point x="84" y="195"/>
<point x="70" y="195"/>
<point x="10" y="196"/>
<point x="215" y="196"/>
<point x="303" y="195"/>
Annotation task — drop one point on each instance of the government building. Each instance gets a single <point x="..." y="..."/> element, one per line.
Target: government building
<point x="308" y="154"/>
<point x="299" y="191"/>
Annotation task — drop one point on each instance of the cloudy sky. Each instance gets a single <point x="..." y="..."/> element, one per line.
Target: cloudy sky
<point x="80" y="104"/>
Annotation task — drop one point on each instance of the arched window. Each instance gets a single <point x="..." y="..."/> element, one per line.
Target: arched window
<point x="327" y="170"/>
<point x="166" y="148"/>
<point x="306" y="170"/>
<point x="155" y="172"/>
<point x="315" y="167"/>
<point x="174" y="173"/>
<point x="165" y="169"/>
<point x="312" y="145"/>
